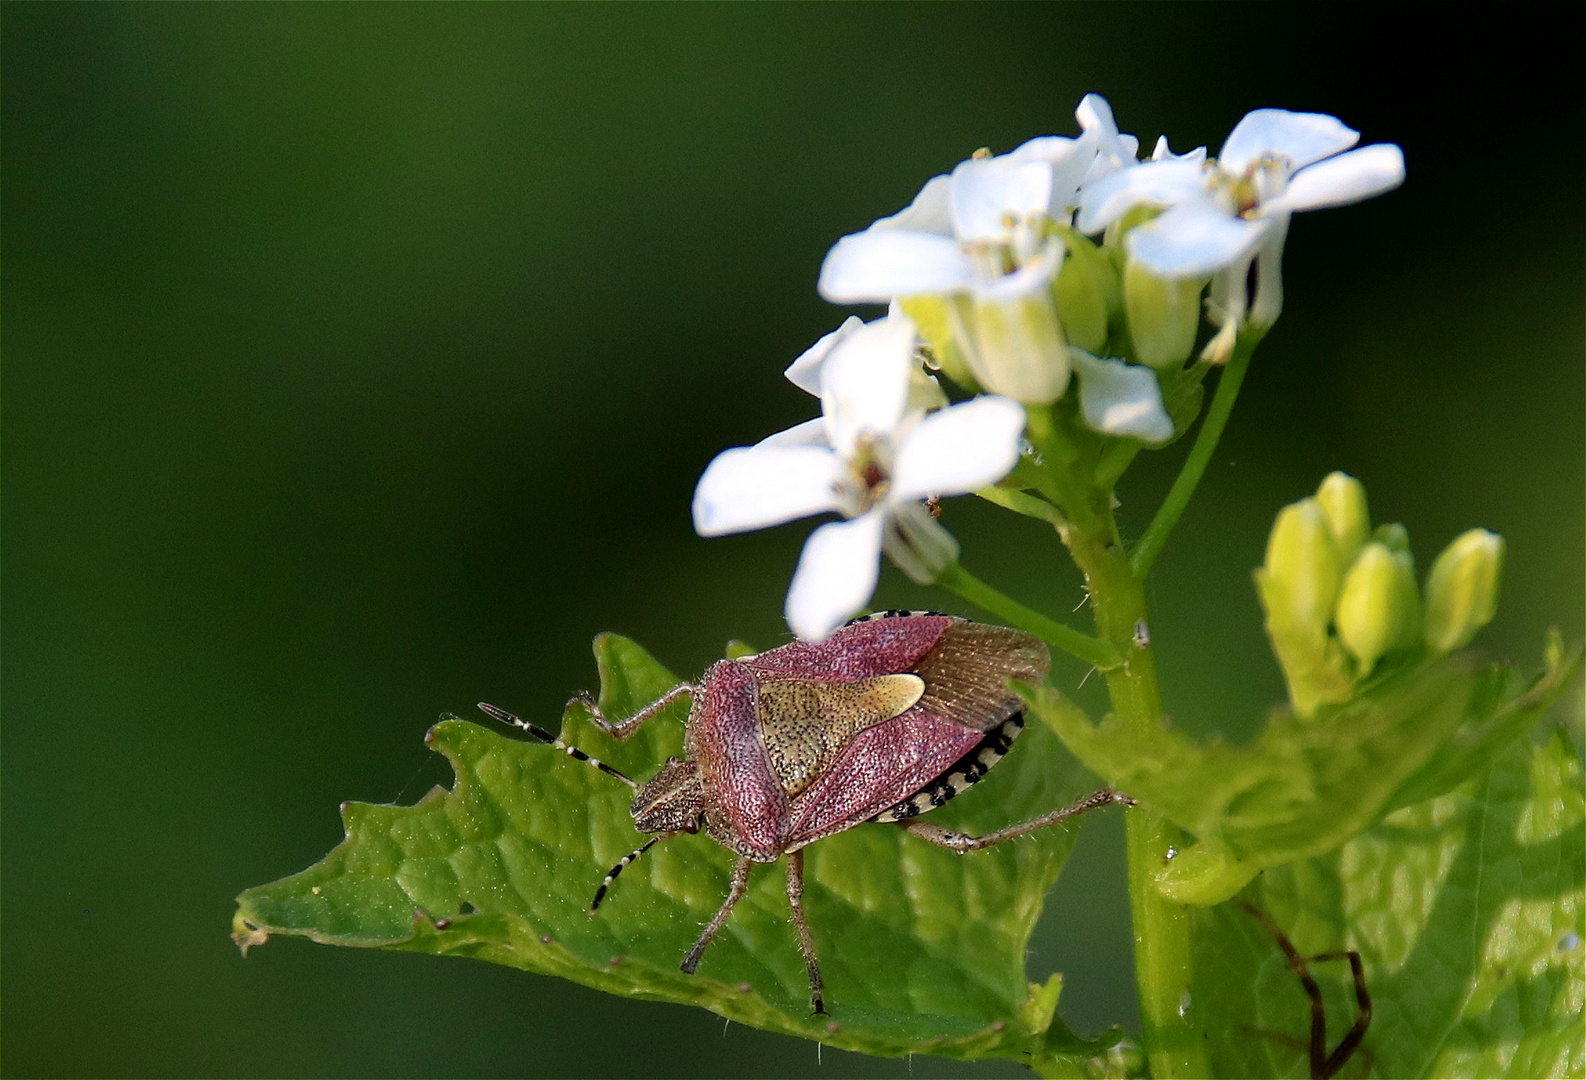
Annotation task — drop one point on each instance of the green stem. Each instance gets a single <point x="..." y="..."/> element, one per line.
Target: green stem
<point x="1174" y="1045"/>
<point x="1200" y="455"/>
<point x="1115" y="459"/>
<point x="1020" y="503"/>
<point x="957" y="580"/>
<point x="1030" y="475"/>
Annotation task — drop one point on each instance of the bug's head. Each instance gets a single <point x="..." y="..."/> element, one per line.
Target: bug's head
<point x="673" y="800"/>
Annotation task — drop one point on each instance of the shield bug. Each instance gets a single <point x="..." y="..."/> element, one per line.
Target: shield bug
<point x="887" y="719"/>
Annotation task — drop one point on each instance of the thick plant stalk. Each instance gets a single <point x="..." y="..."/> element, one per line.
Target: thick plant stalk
<point x="1174" y="1041"/>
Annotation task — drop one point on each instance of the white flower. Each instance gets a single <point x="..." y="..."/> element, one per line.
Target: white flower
<point x="880" y="460"/>
<point x="1120" y="399"/>
<point x="971" y="231"/>
<point x="1223" y="214"/>
<point x="925" y="393"/>
<point x="984" y="233"/>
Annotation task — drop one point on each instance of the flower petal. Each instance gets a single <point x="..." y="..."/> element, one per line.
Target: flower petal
<point x="751" y="487"/>
<point x="1193" y="239"/>
<point x="1344" y="179"/>
<point x="930" y="212"/>
<point x="865" y="382"/>
<point x="1161" y="183"/>
<point x="1268" y="304"/>
<point x="879" y="264"/>
<point x="1113" y="151"/>
<point x="959" y="449"/>
<point x="805" y="372"/>
<point x="1121" y="399"/>
<point x="1070" y="160"/>
<point x="1163" y="152"/>
<point x="1300" y="137"/>
<point x="836" y="575"/>
<point x="1048" y="148"/>
<point x="1094" y="114"/>
<point x="986" y="191"/>
<point x="809" y="433"/>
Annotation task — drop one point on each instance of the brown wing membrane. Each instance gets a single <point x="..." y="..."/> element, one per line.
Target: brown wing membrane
<point x="966" y="674"/>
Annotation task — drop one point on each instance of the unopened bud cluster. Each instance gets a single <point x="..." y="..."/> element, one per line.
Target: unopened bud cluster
<point x="1340" y="597"/>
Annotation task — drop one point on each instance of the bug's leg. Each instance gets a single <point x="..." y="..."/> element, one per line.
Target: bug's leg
<point x="1351" y="1042"/>
<point x="1323" y="1065"/>
<point x="795" y="900"/>
<point x="546" y="737"/>
<point x="623" y="728"/>
<point x="962" y="842"/>
<point x="740" y="885"/>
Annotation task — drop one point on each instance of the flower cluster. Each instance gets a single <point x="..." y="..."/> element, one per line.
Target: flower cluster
<point x="1068" y="260"/>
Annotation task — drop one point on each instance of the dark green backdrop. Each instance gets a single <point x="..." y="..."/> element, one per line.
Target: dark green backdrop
<point x="359" y="362"/>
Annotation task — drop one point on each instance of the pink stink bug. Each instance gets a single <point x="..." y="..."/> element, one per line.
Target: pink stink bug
<point x="889" y="718"/>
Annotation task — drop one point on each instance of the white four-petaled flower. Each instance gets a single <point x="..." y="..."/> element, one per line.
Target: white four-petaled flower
<point x="1221" y="214"/>
<point x="879" y="461"/>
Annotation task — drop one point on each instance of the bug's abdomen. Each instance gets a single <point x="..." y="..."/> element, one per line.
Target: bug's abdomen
<point x="965" y="772"/>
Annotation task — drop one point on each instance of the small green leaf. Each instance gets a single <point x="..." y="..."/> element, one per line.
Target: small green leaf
<point x="922" y="949"/>
<point x="1307" y="786"/>
<point x="1467" y="913"/>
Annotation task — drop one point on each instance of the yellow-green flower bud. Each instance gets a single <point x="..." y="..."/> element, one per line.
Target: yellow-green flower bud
<point x="1393" y="536"/>
<point x="1379" y="607"/>
<point x="1343" y="500"/>
<point x="1018" y="348"/>
<point x="1087" y="292"/>
<point x="935" y="318"/>
<point x="1299" y="587"/>
<point x="1462" y="589"/>
<point x="1164" y="314"/>
<point x="1303" y="572"/>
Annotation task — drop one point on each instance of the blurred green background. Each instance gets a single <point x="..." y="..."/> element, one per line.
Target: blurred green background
<point x="359" y="362"/>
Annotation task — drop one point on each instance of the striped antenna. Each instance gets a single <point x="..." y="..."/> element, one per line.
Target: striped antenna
<point x="546" y="737"/>
<point x="600" y="893"/>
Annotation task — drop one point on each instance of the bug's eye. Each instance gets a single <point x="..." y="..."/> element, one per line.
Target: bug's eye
<point x="674" y="760"/>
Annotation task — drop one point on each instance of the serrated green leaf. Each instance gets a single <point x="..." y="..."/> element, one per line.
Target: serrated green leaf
<point x="1307" y="786"/>
<point x="1467" y="913"/>
<point x="1487" y="730"/>
<point x="922" y="949"/>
